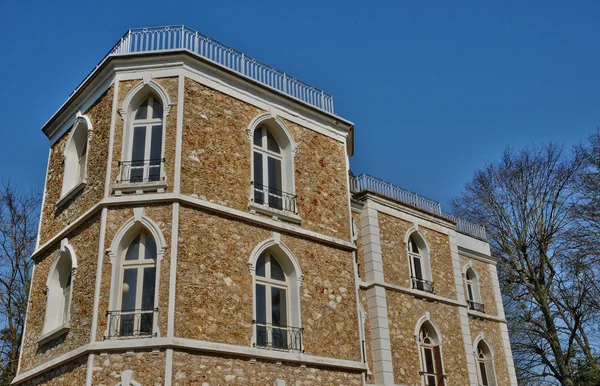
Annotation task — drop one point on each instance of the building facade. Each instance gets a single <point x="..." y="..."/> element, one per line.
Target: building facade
<point x="200" y="226"/>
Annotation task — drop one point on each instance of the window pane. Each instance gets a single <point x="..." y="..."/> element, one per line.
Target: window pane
<point x="274" y="166"/>
<point x="157" y="111"/>
<point x="139" y="144"/>
<point x="470" y="292"/>
<point x="428" y="360"/>
<point x="150" y="247"/>
<point x="278" y="307"/>
<point x="258" y="136"/>
<point x="156" y="144"/>
<point x="148" y="288"/>
<point x="417" y="267"/>
<point x="128" y="289"/>
<point x="413" y="246"/>
<point x="272" y="143"/>
<point x="142" y="111"/>
<point x="261" y="304"/>
<point x="146" y="321"/>
<point x="483" y="371"/>
<point x="260" y="265"/>
<point x="259" y="196"/>
<point x="133" y="251"/>
<point x="276" y="270"/>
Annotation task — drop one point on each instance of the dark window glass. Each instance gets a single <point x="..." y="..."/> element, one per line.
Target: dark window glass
<point x="139" y="143"/>
<point x="276" y="270"/>
<point x="142" y="111"/>
<point x="260" y="265"/>
<point x="148" y="288"/>
<point x="417" y="267"/>
<point x="156" y="144"/>
<point x="278" y="307"/>
<point x="261" y="304"/>
<point x="150" y="247"/>
<point x="272" y="143"/>
<point x="134" y="249"/>
<point x="258" y="136"/>
<point x="157" y="111"/>
<point x="129" y="289"/>
<point x="259" y="195"/>
<point x="483" y="370"/>
<point x="470" y="292"/>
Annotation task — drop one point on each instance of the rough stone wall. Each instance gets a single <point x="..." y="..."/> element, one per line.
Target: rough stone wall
<point x="161" y="215"/>
<point x="493" y="337"/>
<point x="171" y="85"/>
<point x="55" y="219"/>
<point x="214" y="286"/>
<point x="403" y="313"/>
<point x="205" y="370"/>
<point x="485" y="283"/>
<point x="70" y="374"/>
<point x="84" y="241"/>
<point x="396" y="268"/>
<point x="148" y="368"/>
<point x="216" y="161"/>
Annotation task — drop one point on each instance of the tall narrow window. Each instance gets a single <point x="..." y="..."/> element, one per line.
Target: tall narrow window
<point x="473" y="291"/>
<point x="146" y="143"/>
<point x="432" y="370"/>
<point x="75" y="154"/>
<point x="419" y="265"/>
<point x="267" y="173"/>
<point x="485" y="365"/>
<point x="136" y="300"/>
<point x="59" y="293"/>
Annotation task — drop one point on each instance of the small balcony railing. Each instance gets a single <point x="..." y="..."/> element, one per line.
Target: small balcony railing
<point x="422" y="284"/>
<point x="131" y="324"/>
<point x="274" y="337"/>
<point x="274" y="198"/>
<point x="141" y="171"/>
<point x="433" y="379"/>
<point x="476" y="306"/>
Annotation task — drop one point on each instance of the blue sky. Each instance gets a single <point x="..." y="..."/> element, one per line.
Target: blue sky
<point x="435" y="89"/>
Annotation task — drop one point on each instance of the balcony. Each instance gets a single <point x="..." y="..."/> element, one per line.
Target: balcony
<point x="365" y="182"/>
<point x="422" y="284"/>
<point x="131" y="324"/>
<point x="141" y="175"/>
<point x="274" y="202"/>
<point x="182" y="38"/>
<point x="281" y="338"/>
<point x="433" y="379"/>
<point x="476" y="306"/>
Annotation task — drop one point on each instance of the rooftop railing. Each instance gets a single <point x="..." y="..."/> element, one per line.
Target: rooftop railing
<point x="387" y="189"/>
<point x="180" y="37"/>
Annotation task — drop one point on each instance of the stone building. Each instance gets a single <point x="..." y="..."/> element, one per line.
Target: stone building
<point x="200" y="226"/>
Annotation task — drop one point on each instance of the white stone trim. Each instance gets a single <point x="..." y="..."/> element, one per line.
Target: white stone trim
<point x="192" y="345"/>
<point x="172" y="291"/>
<point x="100" y="262"/>
<point x="464" y="318"/>
<point x="512" y="375"/>
<point x="111" y="140"/>
<point x="476" y="255"/>
<point x="193" y="201"/>
<point x="274" y="213"/>
<point x="497" y="293"/>
<point x="51" y="335"/>
<point x="179" y="134"/>
<point x="71" y="193"/>
<point x="412" y="292"/>
<point x="481" y="338"/>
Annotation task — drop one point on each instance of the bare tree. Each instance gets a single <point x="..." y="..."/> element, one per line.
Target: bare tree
<point x="527" y="201"/>
<point x="18" y="230"/>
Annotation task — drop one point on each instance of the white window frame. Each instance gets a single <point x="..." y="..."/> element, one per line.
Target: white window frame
<point x="423" y="255"/>
<point x="294" y="278"/>
<point x="139" y="265"/>
<point x="75" y="163"/>
<point x="288" y="150"/>
<point x="491" y="371"/>
<point x="475" y="285"/>
<point x="120" y="242"/>
<point x="266" y="153"/>
<point x="421" y="347"/>
<point x="57" y="317"/>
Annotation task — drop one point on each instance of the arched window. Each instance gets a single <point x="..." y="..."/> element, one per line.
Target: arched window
<point x="137" y="288"/>
<point x="59" y="292"/>
<point x="75" y="172"/>
<point x="419" y="263"/>
<point x="430" y="350"/>
<point x="485" y="365"/>
<point x="276" y="300"/>
<point x="146" y="138"/>
<point x="473" y="291"/>
<point x="272" y="166"/>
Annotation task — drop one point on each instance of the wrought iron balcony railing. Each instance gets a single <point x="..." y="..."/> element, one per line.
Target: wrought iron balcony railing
<point x="131" y="323"/>
<point x="141" y="171"/>
<point x="367" y="182"/>
<point x="274" y="337"/>
<point x="433" y="379"/>
<point x="274" y="198"/>
<point x="422" y="284"/>
<point x="180" y="37"/>
<point x="479" y="307"/>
